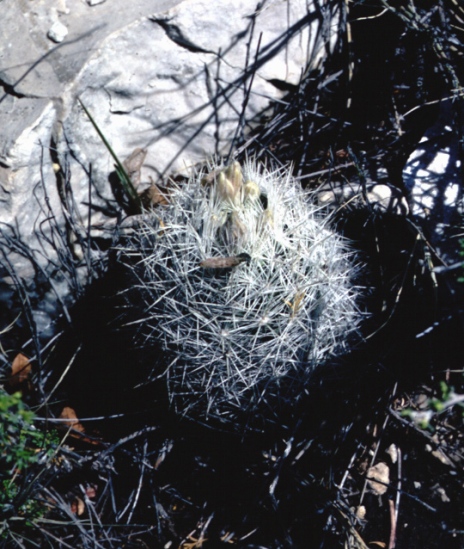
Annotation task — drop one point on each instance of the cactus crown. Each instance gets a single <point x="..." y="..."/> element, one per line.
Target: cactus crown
<point x="245" y="286"/>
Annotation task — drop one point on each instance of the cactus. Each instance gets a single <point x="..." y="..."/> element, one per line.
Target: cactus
<point x="245" y="286"/>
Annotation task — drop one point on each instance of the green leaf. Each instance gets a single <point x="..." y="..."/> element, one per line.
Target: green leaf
<point x="126" y="183"/>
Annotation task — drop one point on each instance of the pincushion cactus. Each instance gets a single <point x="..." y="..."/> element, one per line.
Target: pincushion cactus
<point x="244" y="285"/>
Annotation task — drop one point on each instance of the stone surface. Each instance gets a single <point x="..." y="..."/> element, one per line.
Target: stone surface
<point x="176" y="83"/>
<point x="433" y="177"/>
<point x="172" y="80"/>
<point x="57" y="32"/>
<point x="383" y="198"/>
<point x="178" y="78"/>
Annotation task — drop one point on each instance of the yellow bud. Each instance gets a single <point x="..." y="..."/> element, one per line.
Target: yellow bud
<point x="238" y="228"/>
<point x="251" y="190"/>
<point x="268" y="218"/>
<point x="224" y="186"/>
<point x="233" y="172"/>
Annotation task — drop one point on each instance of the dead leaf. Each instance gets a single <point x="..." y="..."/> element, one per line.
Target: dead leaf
<point x="90" y="492"/>
<point x="78" y="507"/>
<point x="342" y="154"/>
<point x="20" y="370"/>
<point x="361" y="512"/>
<point x="133" y="164"/>
<point x="153" y="196"/>
<point x="392" y="451"/>
<point x="69" y="414"/>
<point x="378" y="478"/>
<point x="210" y="178"/>
<point x="71" y="420"/>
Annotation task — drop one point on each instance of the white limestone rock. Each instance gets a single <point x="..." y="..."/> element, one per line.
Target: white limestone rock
<point x="57" y="32"/>
<point x="176" y="83"/>
<point x="27" y="167"/>
<point x="178" y="78"/>
<point x="433" y="178"/>
<point x="383" y="198"/>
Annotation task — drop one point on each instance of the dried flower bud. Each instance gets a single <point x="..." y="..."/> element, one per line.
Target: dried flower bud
<point x="251" y="190"/>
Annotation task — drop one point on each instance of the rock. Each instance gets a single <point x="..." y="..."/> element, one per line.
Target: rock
<point x="177" y="96"/>
<point x="378" y="478"/>
<point x="179" y="78"/>
<point x="383" y="198"/>
<point x="24" y="68"/>
<point x="432" y="175"/>
<point x="26" y="180"/>
<point x="57" y="32"/>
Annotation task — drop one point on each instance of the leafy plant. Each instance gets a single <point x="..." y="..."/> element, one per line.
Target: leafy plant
<point x="21" y="447"/>
<point x="435" y="406"/>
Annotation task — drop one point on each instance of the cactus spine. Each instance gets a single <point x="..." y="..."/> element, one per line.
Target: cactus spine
<point x="246" y="287"/>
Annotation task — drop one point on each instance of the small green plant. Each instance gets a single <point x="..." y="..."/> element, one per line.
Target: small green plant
<point x="16" y="432"/>
<point x="22" y="447"/>
<point x="423" y="419"/>
<point x="123" y="176"/>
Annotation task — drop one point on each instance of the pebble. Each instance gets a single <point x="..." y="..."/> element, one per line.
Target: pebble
<point x="57" y="32"/>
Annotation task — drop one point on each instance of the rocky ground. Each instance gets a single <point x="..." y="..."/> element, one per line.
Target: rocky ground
<point x="373" y="455"/>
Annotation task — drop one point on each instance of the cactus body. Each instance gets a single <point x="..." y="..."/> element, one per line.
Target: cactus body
<point x="245" y="286"/>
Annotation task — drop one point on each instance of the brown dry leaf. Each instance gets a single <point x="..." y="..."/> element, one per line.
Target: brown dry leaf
<point x="210" y="178"/>
<point x="78" y="507"/>
<point x="20" y="370"/>
<point x="90" y="492"/>
<point x="361" y="512"/>
<point x="342" y="154"/>
<point x="69" y="414"/>
<point x="153" y="196"/>
<point x="378" y="543"/>
<point x="72" y="420"/>
<point x="133" y="163"/>
<point x="378" y="478"/>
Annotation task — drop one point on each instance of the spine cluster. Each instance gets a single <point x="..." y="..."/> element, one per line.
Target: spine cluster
<point x="244" y="285"/>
